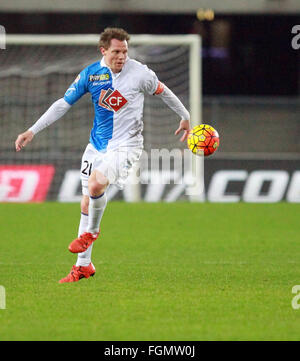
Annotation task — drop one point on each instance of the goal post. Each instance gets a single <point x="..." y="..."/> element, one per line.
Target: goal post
<point x="194" y="42"/>
<point x="39" y="68"/>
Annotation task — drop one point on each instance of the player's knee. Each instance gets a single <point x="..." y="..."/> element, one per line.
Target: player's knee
<point x="96" y="189"/>
<point x="97" y="184"/>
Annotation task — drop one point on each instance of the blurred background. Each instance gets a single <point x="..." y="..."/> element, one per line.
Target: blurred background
<point x="250" y="85"/>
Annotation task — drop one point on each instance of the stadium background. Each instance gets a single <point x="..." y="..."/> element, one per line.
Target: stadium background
<point x="176" y="271"/>
<point x="250" y="82"/>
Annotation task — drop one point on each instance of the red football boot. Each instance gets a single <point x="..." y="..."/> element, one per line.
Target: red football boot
<point x="78" y="272"/>
<point x="82" y="243"/>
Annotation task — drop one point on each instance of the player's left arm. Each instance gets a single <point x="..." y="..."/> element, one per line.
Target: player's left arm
<point x="173" y="102"/>
<point x="152" y="85"/>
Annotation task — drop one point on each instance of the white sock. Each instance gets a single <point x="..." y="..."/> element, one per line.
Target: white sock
<point x="91" y="223"/>
<point x="83" y="224"/>
<point x="84" y="258"/>
<point x="96" y="209"/>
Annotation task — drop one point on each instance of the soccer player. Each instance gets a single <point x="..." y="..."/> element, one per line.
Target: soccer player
<point x="117" y="85"/>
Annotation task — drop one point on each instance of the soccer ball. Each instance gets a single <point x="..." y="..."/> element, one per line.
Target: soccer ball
<point x="203" y="139"/>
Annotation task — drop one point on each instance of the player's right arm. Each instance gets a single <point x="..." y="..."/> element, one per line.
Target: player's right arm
<point x="56" y="110"/>
<point x="23" y="139"/>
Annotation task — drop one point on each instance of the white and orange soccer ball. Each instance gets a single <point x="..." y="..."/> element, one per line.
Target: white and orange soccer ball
<point x="203" y="139"/>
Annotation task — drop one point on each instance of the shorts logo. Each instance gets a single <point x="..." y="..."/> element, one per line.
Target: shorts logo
<point x="112" y="100"/>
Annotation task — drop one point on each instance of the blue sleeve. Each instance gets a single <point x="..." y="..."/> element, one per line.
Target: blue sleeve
<point x="77" y="89"/>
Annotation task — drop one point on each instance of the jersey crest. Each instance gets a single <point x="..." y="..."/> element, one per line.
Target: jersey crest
<point x="112" y="100"/>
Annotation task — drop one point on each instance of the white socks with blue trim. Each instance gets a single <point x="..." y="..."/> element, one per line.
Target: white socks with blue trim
<point x="91" y="223"/>
<point x="84" y="258"/>
<point x="96" y="209"/>
<point x="83" y="224"/>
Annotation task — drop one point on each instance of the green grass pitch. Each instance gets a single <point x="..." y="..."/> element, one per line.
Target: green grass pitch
<point x="164" y="272"/>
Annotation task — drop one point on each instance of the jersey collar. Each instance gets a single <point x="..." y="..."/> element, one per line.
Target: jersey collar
<point x="115" y="75"/>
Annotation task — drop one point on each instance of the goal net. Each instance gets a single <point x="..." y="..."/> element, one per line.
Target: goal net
<point x="36" y="70"/>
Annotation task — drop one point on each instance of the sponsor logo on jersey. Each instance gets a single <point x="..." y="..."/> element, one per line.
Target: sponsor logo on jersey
<point x="112" y="100"/>
<point x="99" y="82"/>
<point x="99" y="77"/>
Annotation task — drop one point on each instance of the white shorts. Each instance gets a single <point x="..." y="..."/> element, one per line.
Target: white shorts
<point x="113" y="164"/>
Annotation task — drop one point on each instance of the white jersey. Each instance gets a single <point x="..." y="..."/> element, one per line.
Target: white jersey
<point x="118" y="101"/>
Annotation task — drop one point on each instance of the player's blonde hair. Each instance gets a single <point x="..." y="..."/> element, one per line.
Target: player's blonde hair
<point x="112" y="33"/>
